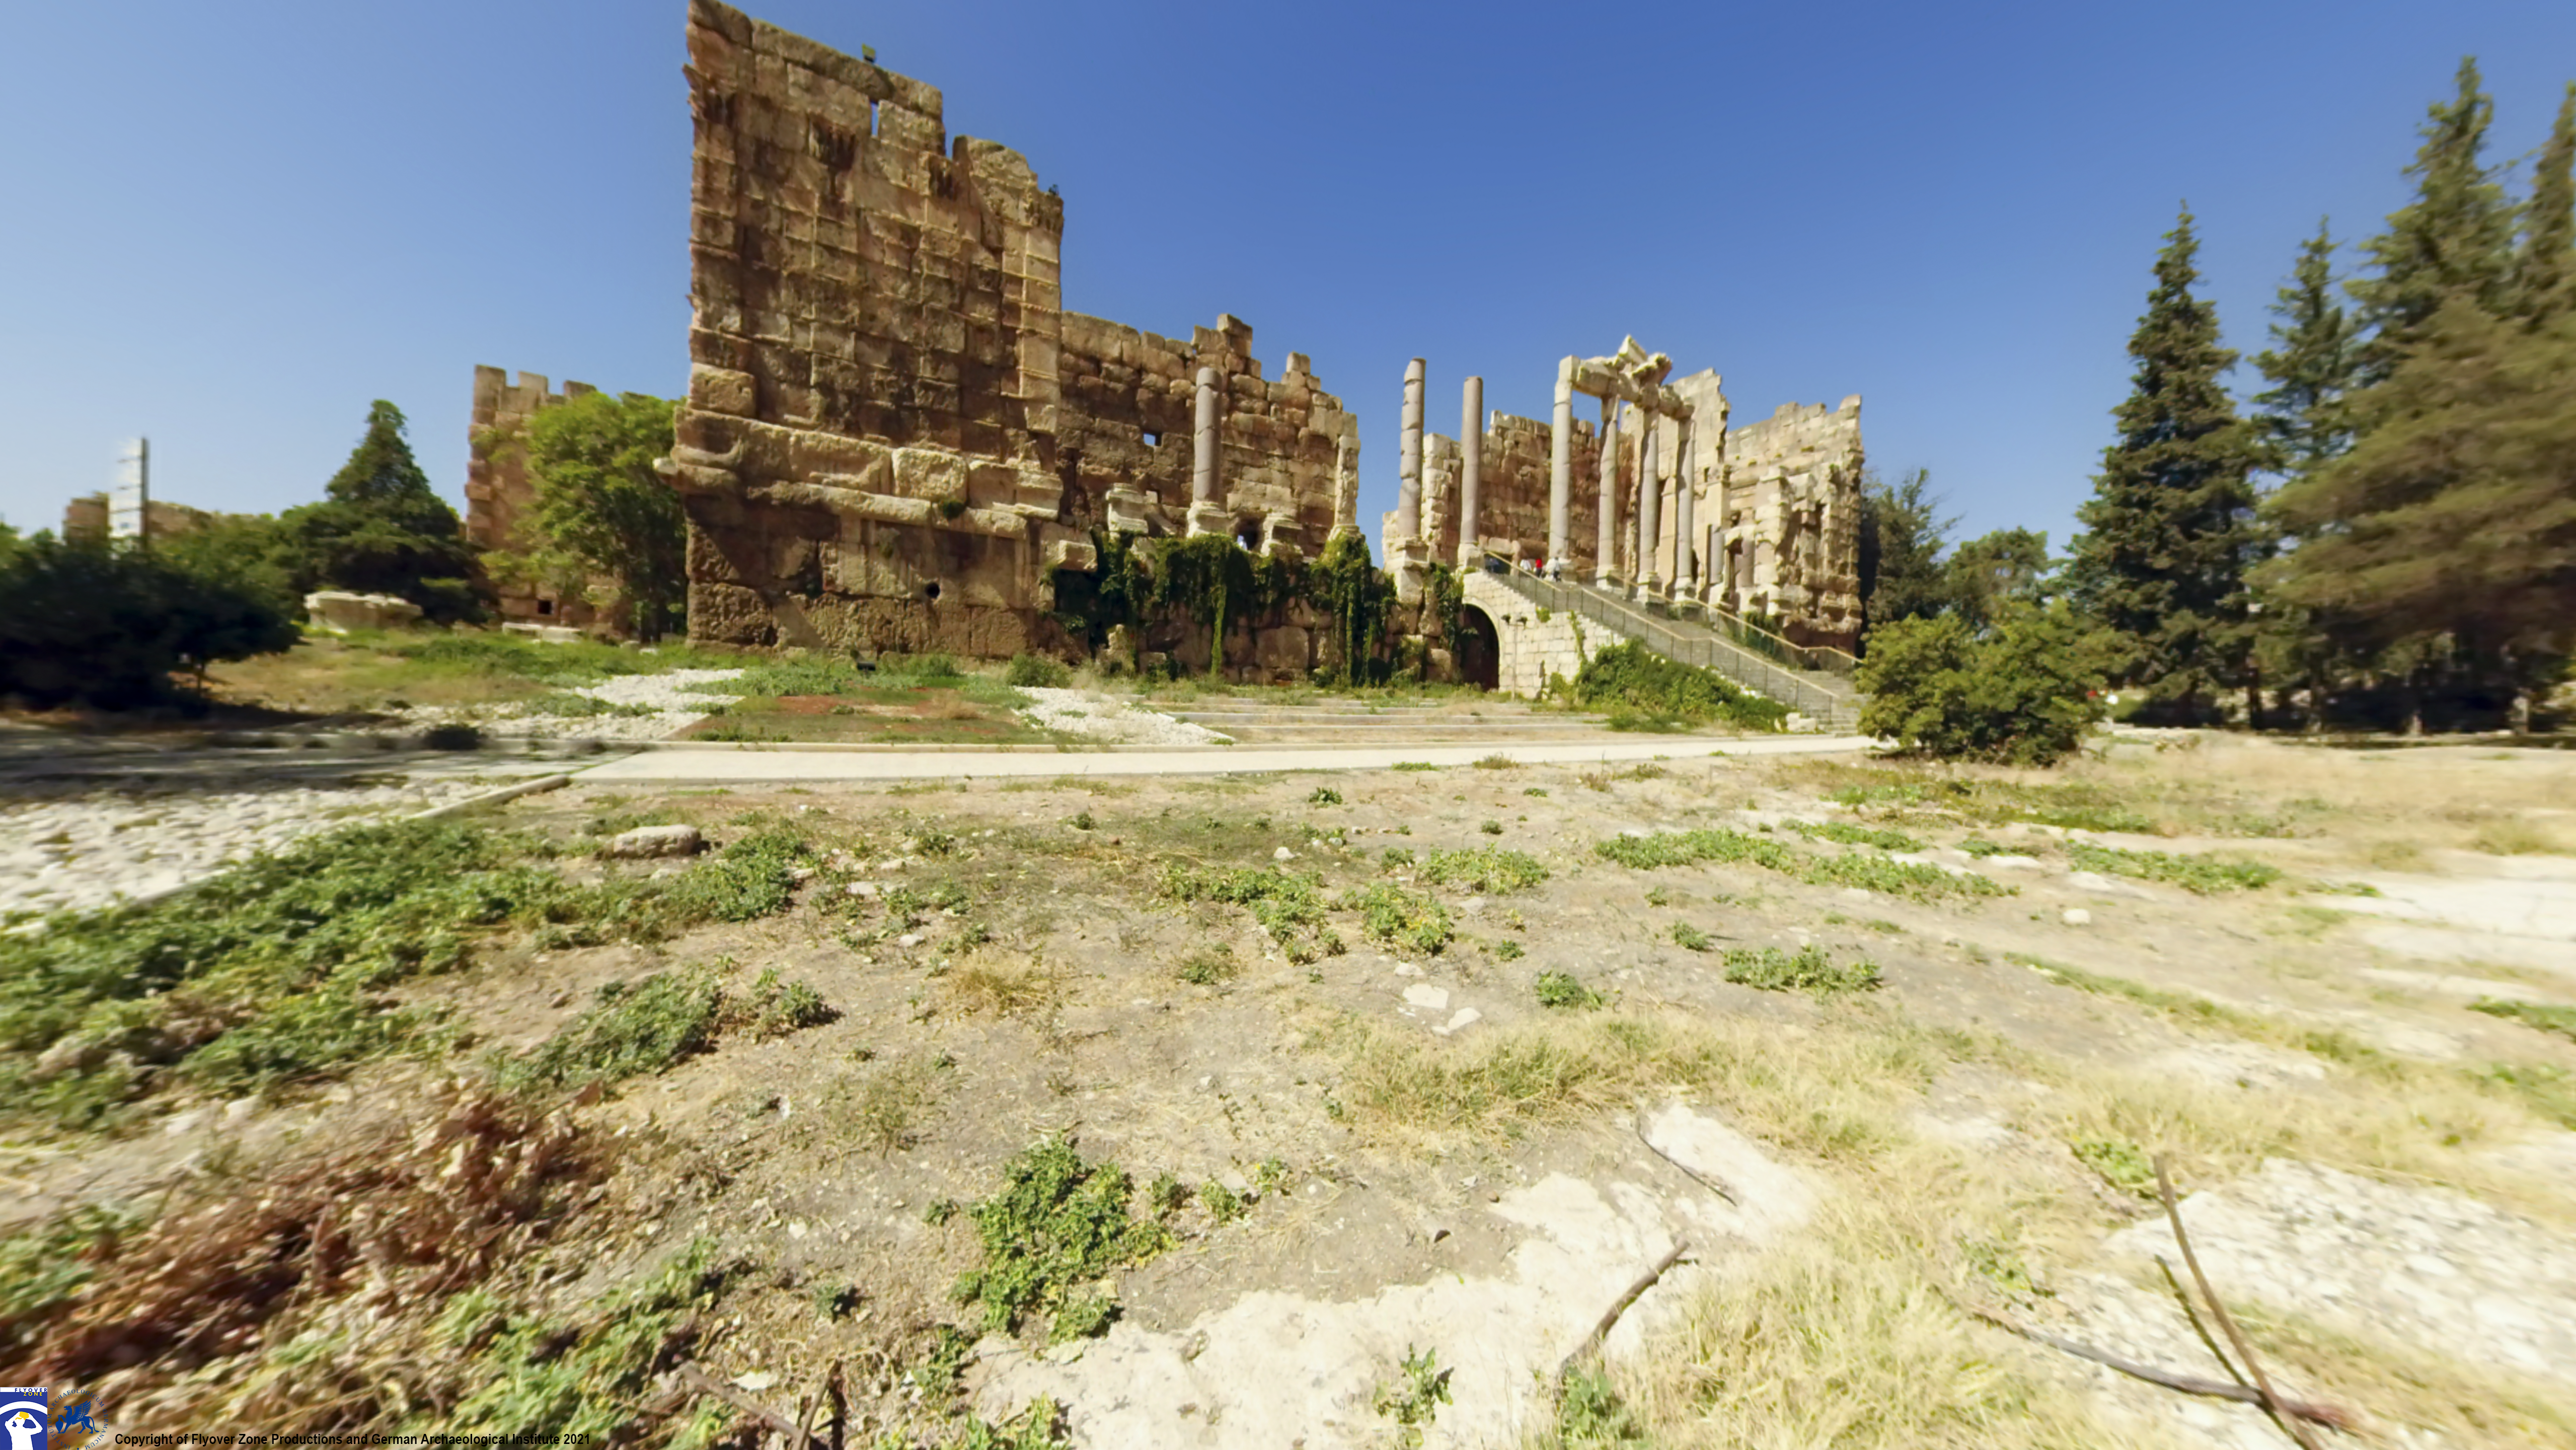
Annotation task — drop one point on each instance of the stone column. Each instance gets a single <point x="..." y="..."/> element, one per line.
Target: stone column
<point x="1605" y="559"/>
<point x="1408" y="555"/>
<point x="1408" y="488"/>
<point x="1203" y="460"/>
<point x="1650" y="497"/>
<point x="1207" y="514"/>
<point x="1471" y="466"/>
<point x="1685" y="567"/>
<point x="1560" y="464"/>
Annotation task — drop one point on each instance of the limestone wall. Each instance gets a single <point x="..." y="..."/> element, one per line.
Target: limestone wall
<point x="1530" y="650"/>
<point x="498" y="490"/>
<point x="85" y="519"/>
<point x="1282" y="442"/>
<point x="894" y="435"/>
<point x="1511" y="491"/>
<point x="1791" y="503"/>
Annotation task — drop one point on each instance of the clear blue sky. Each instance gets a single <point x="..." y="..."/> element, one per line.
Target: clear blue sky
<point x="231" y="226"/>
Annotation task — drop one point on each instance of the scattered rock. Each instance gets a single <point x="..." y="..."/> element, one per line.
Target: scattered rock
<point x="1460" y="1020"/>
<point x="648" y="842"/>
<point x="2076" y="916"/>
<point x="1427" y="997"/>
<point x="1283" y="854"/>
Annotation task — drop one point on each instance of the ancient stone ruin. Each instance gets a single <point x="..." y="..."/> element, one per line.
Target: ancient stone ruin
<point x="894" y="435"/>
<point x="498" y="490"/>
<point x="1759" y="521"/>
<point x="896" y="439"/>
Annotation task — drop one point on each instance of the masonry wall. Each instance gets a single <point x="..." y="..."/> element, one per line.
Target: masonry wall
<point x="85" y="519"/>
<point x="1283" y="444"/>
<point x="894" y="436"/>
<point x="1511" y="491"/>
<point x="1529" y="650"/>
<point x="1791" y="502"/>
<point x="498" y="490"/>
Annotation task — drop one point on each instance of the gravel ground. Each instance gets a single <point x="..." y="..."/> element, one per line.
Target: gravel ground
<point x="1118" y="722"/>
<point x="675" y="708"/>
<point x="87" y="852"/>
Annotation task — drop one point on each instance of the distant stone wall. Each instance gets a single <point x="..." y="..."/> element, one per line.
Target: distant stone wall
<point x="1282" y="445"/>
<point x="85" y="519"/>
<point x="1511" y="491"/>
<point x="1791" y="506"/>
<point x="498" y="490"/>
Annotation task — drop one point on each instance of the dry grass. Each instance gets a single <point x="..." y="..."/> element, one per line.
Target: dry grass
<point x="1005" y="988"/>
<point x="397" y="1216"/>
<point x="2392" y="1384"/>
<point x="2515" y="836"/>
<point x="1827" y="1091"/>
<point x="2426" y="1128"/>
<point x="1846" y="1332"/>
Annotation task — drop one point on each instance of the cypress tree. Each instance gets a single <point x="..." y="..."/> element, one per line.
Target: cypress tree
<point x="2454" y="238"/>
<point x="2310" y="366"/>
<point x="2545" y="270"/>
<point x="2161" y="562"/>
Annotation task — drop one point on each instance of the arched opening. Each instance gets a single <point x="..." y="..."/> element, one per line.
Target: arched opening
<point x="1480" y="649"/>
<point x="1247" y="532"/>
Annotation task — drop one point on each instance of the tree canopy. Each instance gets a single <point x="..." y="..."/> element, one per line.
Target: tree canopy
<point x="2169" y="529"/>
<point x="381" y="529"/>
<point x="601" y="512"/>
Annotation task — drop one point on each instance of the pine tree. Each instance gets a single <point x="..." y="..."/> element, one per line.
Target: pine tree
<point x="381" y="529"/>
<point x="2310" y="365"/>
<point x="2161" y="562"/>
<point x="2544" y="280"/>
<point x="2447" y="537"/>
<point x="2454" y="238"/>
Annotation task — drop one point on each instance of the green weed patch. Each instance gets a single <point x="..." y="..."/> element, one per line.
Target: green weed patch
<point x="579" y="1381"/>
<point x="1919" y="880"/>
<point x="1847" y="834"/>
<point x="1058" y="1226"/>
<point x="1811" y="970"/>
<point x="2561" y="1020"/>
<point x="2199" y="875"/>
<point x="1487" y="870"/>
<point x="1289" y="906"/>
<point x="1391" y="914"/>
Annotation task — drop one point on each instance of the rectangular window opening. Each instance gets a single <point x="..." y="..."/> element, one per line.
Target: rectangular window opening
<point x="872" y="118"/>
<point x="1153" y="437"/>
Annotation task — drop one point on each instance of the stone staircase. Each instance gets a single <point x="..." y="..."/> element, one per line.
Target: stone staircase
<point x="1499" y="722"/>
<point x="1815" y="683"/>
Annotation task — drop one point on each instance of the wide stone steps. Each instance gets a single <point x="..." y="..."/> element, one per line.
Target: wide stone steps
<point x="1822" y="696"/>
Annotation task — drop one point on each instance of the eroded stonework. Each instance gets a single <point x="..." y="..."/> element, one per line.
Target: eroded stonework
<point x="894" y="436"/>
<point x="1769" y="513"/>
<point x="498" y="489"/>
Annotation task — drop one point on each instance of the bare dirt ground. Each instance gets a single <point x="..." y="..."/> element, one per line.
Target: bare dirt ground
<point x="1401" y="1137"/>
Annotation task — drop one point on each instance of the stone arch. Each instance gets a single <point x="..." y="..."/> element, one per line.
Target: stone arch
<point x="1480" y="649"/>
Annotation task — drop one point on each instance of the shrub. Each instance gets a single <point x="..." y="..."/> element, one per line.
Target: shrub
<point x="1629" y="675"/>
<point x="2019" y="695"/>
<point x="1558" y="989"/>
<point x="1036" y="671"/>
<point x="110" y="626"/>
